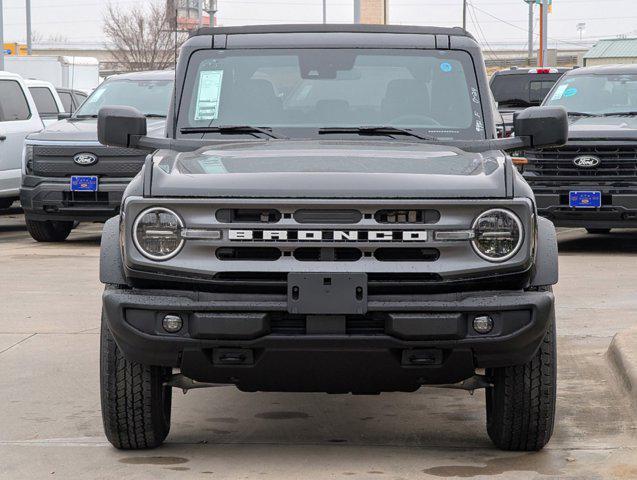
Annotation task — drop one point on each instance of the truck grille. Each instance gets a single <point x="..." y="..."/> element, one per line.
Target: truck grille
<point x="57" y="161"/>
<point x="616" y="161"/>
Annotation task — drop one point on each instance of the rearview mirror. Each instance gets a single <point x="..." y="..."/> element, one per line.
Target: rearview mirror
<point x="543" y="126"/>
<point x="120" y="126"/>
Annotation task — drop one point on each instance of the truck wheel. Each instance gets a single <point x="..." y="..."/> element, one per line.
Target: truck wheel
<point x="598" y="231"/>
<point x="521" y="403"/>
<point x="49" y="230"/>
<point x="135" y="402"/>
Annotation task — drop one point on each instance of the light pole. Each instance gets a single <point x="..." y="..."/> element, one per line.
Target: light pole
<point x="29" y="35"/>
<point x="324" y="11"/>
<point x="464" y="14"/>
<point x="357" y="11"/>
<point x="531" y="38"/>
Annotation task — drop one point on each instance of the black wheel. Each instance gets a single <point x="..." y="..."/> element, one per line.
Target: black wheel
<point x="521" y="404"/>
<point x="5" y="203"/>
<point x="135" y="402"/>
<point x="49" y="230"/>
<point x="598" y="231"/>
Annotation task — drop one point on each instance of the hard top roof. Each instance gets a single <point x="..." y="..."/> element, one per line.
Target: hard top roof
<point x="606" y="70"/>
<point x="149" y="75"/>
<point x="331" y="28"/>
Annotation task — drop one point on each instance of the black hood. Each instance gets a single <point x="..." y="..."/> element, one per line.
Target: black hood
<point x="332" y="169"/>
<point x="587" y="128"/>
<point x="85" y="130"/>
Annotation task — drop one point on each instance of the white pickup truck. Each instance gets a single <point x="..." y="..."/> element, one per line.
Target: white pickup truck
<point x="18" y="117"/>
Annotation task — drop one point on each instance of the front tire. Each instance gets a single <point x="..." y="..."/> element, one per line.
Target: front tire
<point x="598" y="231"/>
<point x="521" y="403"/>
<point x="49" y="230"/>
<point x="135" y="402"/>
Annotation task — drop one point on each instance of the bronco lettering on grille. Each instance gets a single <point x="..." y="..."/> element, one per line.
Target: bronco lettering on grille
<point x="329" y="235"/>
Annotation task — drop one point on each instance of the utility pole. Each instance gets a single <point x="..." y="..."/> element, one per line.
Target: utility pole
<point x="357" y="11"/>
<point x="544" y="20"/>
<point x="29" y="34"/>
<point x="1" y="38"/>
<point x="324" y="11"/>
<point x="464" y="14"/>
<point x="531" y="38"/>
<point x="200" y="12"/>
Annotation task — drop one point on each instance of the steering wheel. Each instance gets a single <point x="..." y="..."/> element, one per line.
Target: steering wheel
<point x="414" y="118"/>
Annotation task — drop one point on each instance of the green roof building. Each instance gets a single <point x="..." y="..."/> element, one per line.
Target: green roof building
<point x="611" y="51"/>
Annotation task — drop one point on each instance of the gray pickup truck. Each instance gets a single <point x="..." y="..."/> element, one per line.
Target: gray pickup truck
<point x="69" y="177"/>
<point x="330" y="211"/>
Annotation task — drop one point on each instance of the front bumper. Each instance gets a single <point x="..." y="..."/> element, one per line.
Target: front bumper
<point x="617" y="211"/>
<point x="51" y="199"/>
<point x="402" y="342"/>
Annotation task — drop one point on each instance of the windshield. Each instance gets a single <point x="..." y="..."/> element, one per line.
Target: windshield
<point x="596" y="94"/>
<point x="522" y="90"/>
<point x="151" y="97"/>
<point x="300" y="91"/>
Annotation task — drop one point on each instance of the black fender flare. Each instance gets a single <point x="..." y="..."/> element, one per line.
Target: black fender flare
<point x="111" y="264"/>
<point x="546" y="271"/>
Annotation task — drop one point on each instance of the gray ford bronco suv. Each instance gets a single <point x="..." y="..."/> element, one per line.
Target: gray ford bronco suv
<point x="330" y="211"/>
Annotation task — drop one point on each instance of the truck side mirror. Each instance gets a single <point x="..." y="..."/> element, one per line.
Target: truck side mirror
<point x="120" y="126"/>
<point x="543" y="126"/>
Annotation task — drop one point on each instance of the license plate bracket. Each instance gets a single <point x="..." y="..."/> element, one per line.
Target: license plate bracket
<point x="585" y="199"/>
<point x="327" y="293"/>
<point x="84" y="183"/>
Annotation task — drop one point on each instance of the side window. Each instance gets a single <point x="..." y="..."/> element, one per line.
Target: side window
<point x="44" y="101"/>
<point x="67" y="101"/>
<point x="13" y="103"/>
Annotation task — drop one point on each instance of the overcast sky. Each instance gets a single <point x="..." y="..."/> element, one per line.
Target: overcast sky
<point x="501" y="22"/>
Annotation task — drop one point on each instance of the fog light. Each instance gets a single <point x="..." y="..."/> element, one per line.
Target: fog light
<point x="172" y="323"/>
<point x="483" y="324"/>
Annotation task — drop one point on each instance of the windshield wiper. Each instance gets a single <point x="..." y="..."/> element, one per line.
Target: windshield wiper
<point x="376" y="130"/>
<point x="232" y="129"/>
<point x="619" y="114"/>
<point x="582" y="114"/>
<point x="85" y="116"/>
<point x="154" y="115"/>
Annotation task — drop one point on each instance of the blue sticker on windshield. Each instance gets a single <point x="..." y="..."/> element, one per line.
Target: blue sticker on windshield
<point x="570" y="92"/>
<point x="446" y="67"/>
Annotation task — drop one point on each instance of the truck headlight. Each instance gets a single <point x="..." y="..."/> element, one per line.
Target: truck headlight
<point x="27" y="159"/>
<point x="498" y="235"/>
<point x="157" y="233"/>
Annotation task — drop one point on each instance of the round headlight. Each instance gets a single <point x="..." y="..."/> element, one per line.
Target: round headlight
<point x="157" y="233"/>
<point x="498" y="235"/>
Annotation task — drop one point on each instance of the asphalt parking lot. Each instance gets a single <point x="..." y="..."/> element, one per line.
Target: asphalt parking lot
<point x="50" y="424"/>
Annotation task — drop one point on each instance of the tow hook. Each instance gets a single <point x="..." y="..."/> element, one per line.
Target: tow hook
<point x="470" y="384"/>
<point x="179" y="380"/>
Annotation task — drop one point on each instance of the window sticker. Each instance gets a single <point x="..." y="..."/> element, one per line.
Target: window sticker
<point x="559" y="92"/>
<point x="208" y="95"/>
<point x="212" y="165"/>
<point x="446" y="67"/>
<point x="475" y="95"/>
<point x="571" y="92"/>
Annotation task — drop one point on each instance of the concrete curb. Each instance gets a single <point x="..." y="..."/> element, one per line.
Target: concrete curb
<point x="622" y="354"/>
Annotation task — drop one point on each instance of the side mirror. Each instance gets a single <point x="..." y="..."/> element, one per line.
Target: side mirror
<point x="120" y="126"/>
<point x="543" y="126"/>
<point x="63" y="115"/>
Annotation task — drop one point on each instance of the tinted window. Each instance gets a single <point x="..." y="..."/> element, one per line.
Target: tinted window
<point x="151" y="97"/>
<point x="67" y="101"/>
<point x="44" y="101"/>
<point x="522" y="90"/>
<point x="310" y="89"/>
<point x="13" y="103"/>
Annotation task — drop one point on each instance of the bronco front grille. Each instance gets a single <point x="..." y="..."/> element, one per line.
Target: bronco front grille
<point x="617" y="161"/>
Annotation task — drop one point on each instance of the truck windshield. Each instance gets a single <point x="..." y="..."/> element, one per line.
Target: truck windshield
<point x="151" y="97"/>
<point x="596" y="94"/>
<point x="301" y="91"/>
<point x="522" y="90"/>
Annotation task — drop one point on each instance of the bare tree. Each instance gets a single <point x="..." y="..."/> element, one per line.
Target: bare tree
<point x="141" y="38"/>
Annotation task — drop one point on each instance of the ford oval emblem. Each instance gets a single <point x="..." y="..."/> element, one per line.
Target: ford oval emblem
<point x="587" y="161"/>
<point x="85" y="159"/>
